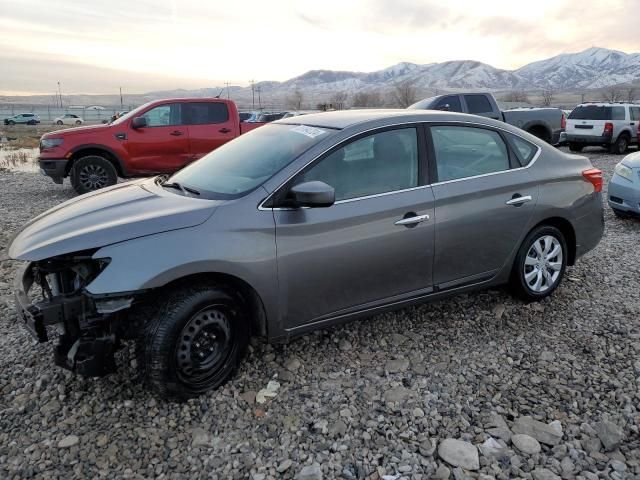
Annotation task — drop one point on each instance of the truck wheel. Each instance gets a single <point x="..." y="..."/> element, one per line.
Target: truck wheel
<point x="92" y="173"/>
<point x="575" y="147"/>
<point x="540" y="263"/>
<point x="194" y="343"/>
<point x="620" y="146"/>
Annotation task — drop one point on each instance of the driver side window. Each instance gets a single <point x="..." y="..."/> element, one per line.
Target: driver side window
<point x="467" y="152"/>
<point x="383" y="162"/>
<point x="164" y="115"/>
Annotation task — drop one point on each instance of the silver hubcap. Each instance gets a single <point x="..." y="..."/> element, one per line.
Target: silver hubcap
<point x="543" y="264"/>
<point x="93" y="177"/>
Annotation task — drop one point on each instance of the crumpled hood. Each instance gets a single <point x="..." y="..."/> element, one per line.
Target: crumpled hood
<point x="108" y="216"/>
<point x="632" y="160"/>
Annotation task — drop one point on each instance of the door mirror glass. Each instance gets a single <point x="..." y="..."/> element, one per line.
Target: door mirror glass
<point x="313" y="194"/>
<point x="139" y="122"/>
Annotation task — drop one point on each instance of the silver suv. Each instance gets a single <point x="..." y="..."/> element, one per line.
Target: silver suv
<point x="611" y="125"/>
<point x="297" y="225"/>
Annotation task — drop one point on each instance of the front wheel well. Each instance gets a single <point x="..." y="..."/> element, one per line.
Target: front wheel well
<point x="567" y="230"/>
<point x="246" y="293"/>
<point x="85" y="152"/>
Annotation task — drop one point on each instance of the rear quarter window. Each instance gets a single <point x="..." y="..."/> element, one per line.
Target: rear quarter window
<point x="525" y="151"/>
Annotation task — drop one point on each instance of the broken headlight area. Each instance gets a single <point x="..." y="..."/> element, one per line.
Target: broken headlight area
<point x="51" y="297"/>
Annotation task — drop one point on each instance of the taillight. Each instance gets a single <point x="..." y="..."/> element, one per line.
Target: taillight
<point x="594" y="176"/>
<point x="608" y="128"/>
<point x="563" y="122"/>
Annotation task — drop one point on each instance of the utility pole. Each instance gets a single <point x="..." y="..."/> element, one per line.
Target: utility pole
<point x="60" y="94"/>
<point x="259" y="89"/>
<point x="227" y="85"/>
<point x="121" y="107"/>
<point x="582" y="101"/>
<point x="253" y="94"/>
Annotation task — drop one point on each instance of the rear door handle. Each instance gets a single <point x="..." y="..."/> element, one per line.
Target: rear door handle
<point x="414" y="220"/>
<point x="224" y="130"/>
<point x="518" y="200"/>
<point x="176" y="133"/>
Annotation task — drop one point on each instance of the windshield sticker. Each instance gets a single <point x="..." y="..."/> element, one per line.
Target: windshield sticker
<point x="311" y="132"/>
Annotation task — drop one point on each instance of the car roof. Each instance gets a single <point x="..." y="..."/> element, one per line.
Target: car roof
<point x="347" y="118"/>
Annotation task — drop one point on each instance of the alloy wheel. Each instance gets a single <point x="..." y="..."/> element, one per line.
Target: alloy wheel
<point x="93" y="177"/>
<point x="543" y="264"/>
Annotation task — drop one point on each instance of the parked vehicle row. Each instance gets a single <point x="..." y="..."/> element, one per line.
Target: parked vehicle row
<point x="158" y="137"/>
<point x="611" y="125"/>
<point x="544" y="123"/>
<point x="23" y="119"/>
<point x="301" y="224"/>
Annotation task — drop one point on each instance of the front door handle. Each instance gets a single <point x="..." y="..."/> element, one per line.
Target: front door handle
<point x="413" y="220"/>
<point x="518" y="200"/>
<point x="224" y="130"/>
<point x="176" y="133"/>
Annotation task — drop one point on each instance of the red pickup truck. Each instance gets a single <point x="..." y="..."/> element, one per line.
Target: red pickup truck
<point x="158" y="137"/>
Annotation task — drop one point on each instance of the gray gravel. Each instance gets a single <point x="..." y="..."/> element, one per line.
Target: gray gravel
<point x="373" y="398"/>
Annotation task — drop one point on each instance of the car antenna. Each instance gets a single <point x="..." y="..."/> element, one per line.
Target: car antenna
<point x="218" y="95"/>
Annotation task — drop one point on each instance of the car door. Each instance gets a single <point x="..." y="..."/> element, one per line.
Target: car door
<point x="484" y="199"/>
<point x="210" y="126"/>
<point x="163" y="144"/>
<point x="373" y="245"/>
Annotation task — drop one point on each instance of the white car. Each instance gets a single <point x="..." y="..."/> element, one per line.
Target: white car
<point x="68" y="119"/>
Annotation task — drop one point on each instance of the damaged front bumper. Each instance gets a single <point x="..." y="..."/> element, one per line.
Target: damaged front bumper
<point x="87" y="327"/>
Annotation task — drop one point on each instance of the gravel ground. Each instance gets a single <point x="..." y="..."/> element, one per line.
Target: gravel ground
<point x="480" y="386"/>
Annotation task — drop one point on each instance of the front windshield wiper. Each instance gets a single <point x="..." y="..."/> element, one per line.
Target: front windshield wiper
<point x="177" y="186"/>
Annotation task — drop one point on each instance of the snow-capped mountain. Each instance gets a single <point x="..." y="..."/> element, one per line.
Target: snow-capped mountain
<point x="592" y="68"/>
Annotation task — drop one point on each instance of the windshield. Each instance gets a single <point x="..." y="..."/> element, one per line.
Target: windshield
<point x="248" y="161"/>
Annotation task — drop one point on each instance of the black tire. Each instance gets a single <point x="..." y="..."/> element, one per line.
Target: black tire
<point x="620" y="146"/>
<point x="194" y="343"/>
<point x="575" y="147"/>
<point x="519" y="284"/>
<point x="11" y="122"/>
<point x="92" y="173"/>
<point x="78" y="122"/>
<point x="59" y="122"/>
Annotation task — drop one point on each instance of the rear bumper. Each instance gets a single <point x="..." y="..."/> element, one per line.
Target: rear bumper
<point x="589" y="139"/>
<point x="54" y="168"/>
<point x="624" y="195"/>
<point x="590" y="227"/>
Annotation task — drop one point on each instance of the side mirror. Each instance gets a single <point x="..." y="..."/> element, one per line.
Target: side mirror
<point x="445" y="108"/>
<point x="313" y="194"/>
<point x="139" y="122"/>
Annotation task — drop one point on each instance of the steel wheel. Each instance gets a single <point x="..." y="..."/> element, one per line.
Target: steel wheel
<point x="543" y="264"/>
<point x="204" y="345"/>
<point x="93" y="177"/>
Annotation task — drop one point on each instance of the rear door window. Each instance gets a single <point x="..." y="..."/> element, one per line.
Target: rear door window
<point x="205" y="113"/>
<point x="635" y="113"/>
<point x="618" y="113"/>
<point x="478" y="104"/>
<point x="463" y="152"/>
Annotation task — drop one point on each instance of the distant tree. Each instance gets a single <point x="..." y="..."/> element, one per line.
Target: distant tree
<point x="517" y="96"/>
<point x="339" y="100"/>
<point x="404" y="94"/>
<point x="547" y="97"/>
<point x="294" y="101"/>
<point x="612" y="94"/>
<point x="631" y="94"/>
<point x="367" y="99"/>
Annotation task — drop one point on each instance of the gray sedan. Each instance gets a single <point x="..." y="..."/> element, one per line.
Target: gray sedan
<point x="301" y="224"/>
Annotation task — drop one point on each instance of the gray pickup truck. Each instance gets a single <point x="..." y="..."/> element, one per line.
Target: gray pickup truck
<point x="545" y="123"/>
